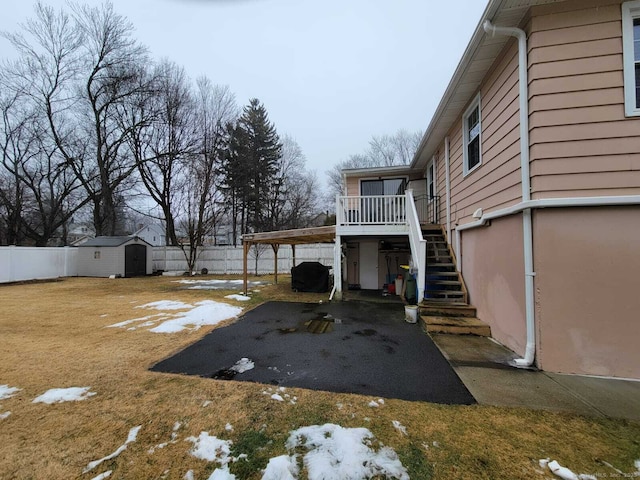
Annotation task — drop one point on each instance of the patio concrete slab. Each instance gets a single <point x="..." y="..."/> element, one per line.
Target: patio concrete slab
<point x="365" y="348"/>
<point x="484" y="367"/>
<point x="616" y="398"/>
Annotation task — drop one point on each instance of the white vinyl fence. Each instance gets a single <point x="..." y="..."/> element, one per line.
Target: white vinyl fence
<point x="228" y="260"/>
<point x="33" y="263"/>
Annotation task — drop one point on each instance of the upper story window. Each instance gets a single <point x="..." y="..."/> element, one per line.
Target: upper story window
<point x="631" y="56"/>
<point x="471" y="137"/>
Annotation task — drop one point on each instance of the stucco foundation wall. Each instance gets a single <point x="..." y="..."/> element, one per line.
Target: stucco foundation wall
<point x="493" y="270"/>
<point x="587" y="264"/>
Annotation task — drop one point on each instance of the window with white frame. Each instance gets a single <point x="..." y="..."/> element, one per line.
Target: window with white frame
<point x="631" y="56"/>
<point x="471" y="137"/>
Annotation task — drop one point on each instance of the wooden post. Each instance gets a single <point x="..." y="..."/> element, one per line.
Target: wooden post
<point x="245" y="248"/>
<point x="275" y="247"/>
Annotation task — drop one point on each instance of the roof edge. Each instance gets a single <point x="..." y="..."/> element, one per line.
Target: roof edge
<point x="489" y="12"/>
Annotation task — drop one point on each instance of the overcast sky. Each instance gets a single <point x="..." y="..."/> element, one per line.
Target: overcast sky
<point x="331" y="73"/>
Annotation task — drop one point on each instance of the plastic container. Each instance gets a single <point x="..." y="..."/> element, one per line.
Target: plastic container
<point x="411" y="313"/>
<point x="398" y="285"/>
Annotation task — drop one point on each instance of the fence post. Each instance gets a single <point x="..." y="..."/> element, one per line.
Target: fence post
<point x="12" y="253"/>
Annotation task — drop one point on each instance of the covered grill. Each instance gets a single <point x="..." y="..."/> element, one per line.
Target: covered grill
<point x="310" y="277"/>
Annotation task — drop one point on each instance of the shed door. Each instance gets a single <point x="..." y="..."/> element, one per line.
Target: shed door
<point x="135" y="260"/>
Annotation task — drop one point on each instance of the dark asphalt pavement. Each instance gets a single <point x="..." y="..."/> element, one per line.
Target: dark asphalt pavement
<point x="367" y="349"/>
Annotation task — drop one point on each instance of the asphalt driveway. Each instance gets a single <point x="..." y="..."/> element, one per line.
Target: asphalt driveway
<point x="352" y="347"/>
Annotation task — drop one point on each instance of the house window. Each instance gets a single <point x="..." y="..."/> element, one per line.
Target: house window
<point x="96" y="255"/>
<point x="631" y="57"/>
<point x="383" y="186"/>
<point x="471" y="129"/>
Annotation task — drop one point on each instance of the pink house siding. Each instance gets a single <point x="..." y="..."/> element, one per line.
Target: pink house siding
<point x="581" y="142"/>
<point x="495" y="183"/>
<point x="493" y="272"/>
<point x="587" y="262"/>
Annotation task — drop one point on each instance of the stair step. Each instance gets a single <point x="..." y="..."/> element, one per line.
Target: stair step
<point x="442" y="264"/>
<point x="432" y="307"/>
<point x="444" y="282"/>
<point x="455" y="325"/>
<point x="442" y="274"/>
<point x="444" y="293"/>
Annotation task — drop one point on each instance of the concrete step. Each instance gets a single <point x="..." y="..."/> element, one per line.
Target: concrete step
<point x="430" y="307"/>
<point x="455" y="325"/>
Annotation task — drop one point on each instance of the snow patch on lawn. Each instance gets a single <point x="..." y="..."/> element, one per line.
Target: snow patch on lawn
<point x="166" y="305"/>
<point x="206" y="312"/>
<point x="283" y="467"/>
<point x="6" y="391"/>
<point x="398" y="426"/>
<point x="238" y="297"/>
<point x="104" y="475"/>
<point x="217" y="284"/>
<point x="341" y="453"/>
<point x="210" y="448"/>
<point x="59" y="395"/>
<point x="131" y="437"/>
<point x="563" y="472"/>
<point x="4" y="415"/>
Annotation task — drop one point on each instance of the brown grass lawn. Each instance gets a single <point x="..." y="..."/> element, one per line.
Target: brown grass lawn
<point x="52" y="335"/>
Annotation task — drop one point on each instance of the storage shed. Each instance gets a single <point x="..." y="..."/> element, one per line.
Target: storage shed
<point x="124" y="256"/>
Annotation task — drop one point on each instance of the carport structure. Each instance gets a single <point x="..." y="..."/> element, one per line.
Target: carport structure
<point x="300" y="236"/>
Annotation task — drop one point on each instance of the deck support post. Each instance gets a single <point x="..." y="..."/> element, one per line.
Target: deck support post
<point x="245" y="253"/>
<point x="275" y="247"/>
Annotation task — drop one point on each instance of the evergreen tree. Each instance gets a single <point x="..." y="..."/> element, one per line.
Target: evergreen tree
<point x="251" y="164"/>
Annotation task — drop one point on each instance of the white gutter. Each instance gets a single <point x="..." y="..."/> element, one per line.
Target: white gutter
<point x="447" y="185"/>
<point x="523" y="96"/>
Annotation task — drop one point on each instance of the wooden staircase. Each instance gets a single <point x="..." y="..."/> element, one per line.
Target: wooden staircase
<point x="445" y="308"/>
<point x="443" y="282"/>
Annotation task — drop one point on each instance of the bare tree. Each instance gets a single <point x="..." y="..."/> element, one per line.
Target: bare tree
<point x="44" y="190"/>
<point x="82" y="72"/>
<point x="202" y="209"/>
<point x="163" y="146"/>
<point x="293" y="199"/>
<point x="383" y="151"/>
<point x="113" y="76"/>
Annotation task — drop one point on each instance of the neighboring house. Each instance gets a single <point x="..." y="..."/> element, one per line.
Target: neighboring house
<point x="527" y="183"/>
<point x="154" y="234"/>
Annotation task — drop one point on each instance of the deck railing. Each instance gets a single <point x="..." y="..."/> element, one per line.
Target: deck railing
<point x="427" y="208"/>
<point x="372" y="210"/>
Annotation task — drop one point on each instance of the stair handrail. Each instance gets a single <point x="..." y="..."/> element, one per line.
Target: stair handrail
<point x="417" y="242"/>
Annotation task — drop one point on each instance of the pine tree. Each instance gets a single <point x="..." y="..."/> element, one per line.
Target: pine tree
<point x="251" y="164"/>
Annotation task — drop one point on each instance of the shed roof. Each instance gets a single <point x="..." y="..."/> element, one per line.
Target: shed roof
<point x="106" y="241"/>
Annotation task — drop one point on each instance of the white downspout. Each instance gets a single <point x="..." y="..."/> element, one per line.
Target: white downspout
<point x="447" y="187"/>
<point x="530" y="351"/>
